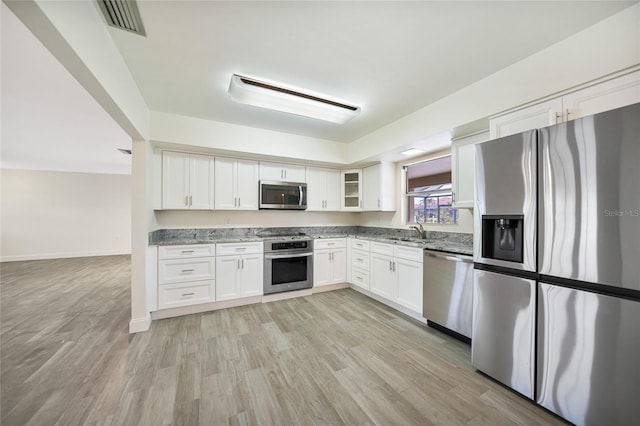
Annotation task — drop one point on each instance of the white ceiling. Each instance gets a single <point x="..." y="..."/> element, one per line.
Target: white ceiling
<point x="49" y="121"/>
<point x="391" y="58"/>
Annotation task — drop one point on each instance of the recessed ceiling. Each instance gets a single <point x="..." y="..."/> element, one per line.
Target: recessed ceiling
<point x="49" y="121"/>
<point x="390" y="58"/>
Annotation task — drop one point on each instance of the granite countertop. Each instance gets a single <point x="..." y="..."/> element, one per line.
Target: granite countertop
<point x="425" y="244"/>
<point x="438" y="241"/>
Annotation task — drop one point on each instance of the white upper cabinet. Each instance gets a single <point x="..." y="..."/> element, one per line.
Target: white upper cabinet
<point x="533" y="117"/>
<point x="236" y="184"/>
<point x="351" y="190"/>
<point x="187" y="181"/>
<point x="323" y="189"/>
<point x="282" y="172"/>
<point x="612" y="94"/>
<point x="463" y="169"/>
<point x="378" y="187"/>
<point x="604" y="96"/>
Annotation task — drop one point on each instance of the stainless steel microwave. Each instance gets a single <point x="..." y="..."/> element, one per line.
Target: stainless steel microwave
<point x="283" y="195"/>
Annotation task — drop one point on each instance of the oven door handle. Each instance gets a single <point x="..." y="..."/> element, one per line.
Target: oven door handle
<point x="300" y="202"/>
<point x="285" y="256"/>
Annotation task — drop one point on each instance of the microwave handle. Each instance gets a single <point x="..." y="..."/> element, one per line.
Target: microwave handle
<point x="300" y="202"/>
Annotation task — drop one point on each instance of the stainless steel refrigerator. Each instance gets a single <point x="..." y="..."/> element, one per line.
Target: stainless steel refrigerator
<point x="504" y="287"/>
<point x="584" y="342"/>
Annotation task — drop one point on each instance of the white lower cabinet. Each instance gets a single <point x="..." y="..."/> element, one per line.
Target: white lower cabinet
<point x="186" y="275"/>
<point x="239" y="270"/>
<point x="382" y="276"/>
<point x="184" y="294"/>
<point x="329" y="261"/>
<point x="396" y="274"/>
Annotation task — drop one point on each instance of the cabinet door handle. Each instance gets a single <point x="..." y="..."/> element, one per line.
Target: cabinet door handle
<point x="242" y="263"/>
<point x="186" y="200"/>
<point x="394" y="266"/>
<point x="187" y="270"/>
<point x="187" y="294"/>
<point x="285" y="173"/>
<point x="558" y="117"/>
<point x="190" y="200"/>
<point x="238" y="201"/>
<point x="390" y="266"/>
<point x="238" y="263"/>
<point x="378" y="203"/>
<point x="568" y="114"/>
<point x="186" y="251"/>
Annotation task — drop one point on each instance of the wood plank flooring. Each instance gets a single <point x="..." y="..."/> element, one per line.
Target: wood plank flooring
<point x="331" y="358"/>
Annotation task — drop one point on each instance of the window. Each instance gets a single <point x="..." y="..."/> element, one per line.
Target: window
<point x="429" y="196"/>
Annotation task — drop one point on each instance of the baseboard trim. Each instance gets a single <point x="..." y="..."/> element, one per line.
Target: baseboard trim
<point x="204" y="307"/>
<point x="413" y="314"/>
<point x="138" y="325"/>
<point x="47" y="256"/>
<point x="329" y="287"/>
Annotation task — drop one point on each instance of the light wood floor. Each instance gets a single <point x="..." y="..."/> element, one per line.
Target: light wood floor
<point x="331" y="358"/>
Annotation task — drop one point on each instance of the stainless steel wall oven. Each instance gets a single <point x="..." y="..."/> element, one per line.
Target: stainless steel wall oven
<point x="288" y="265"/>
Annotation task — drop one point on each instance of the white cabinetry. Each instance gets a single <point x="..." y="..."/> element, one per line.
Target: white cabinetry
<point x="186" y="275"/>
<point x="463" y="169"/>
<point x="604" y="96"/>
<point x="351" y="190"/>
<point x="239" y="270"/>
<point x="396" y="274"/>
<point x="611" y="94"/>
<point x="187" y="181"/>
<point x="378" y="187"/>
<point x="329" y="261"/>
<point x="236" y="184"/>
<point x="282" y="172"/>
<point x="359" y="263"/>
<point x="323" y="189"/>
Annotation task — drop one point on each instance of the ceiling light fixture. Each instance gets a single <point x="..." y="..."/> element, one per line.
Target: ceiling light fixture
<point x="286" y="99"/>
<point x="412" y="151"/>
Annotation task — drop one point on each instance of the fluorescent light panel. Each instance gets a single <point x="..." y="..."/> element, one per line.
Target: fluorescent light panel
<point x="412" y="151"/>
<point x="264" y="94"/>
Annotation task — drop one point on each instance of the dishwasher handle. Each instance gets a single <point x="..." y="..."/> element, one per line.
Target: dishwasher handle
<point x="449" y="256"/>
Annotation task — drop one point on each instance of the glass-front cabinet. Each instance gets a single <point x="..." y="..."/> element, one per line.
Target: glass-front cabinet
<point x="351" y="190"/>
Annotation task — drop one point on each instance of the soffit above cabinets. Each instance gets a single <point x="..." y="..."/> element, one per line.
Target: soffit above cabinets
<point x="390" y="58"/>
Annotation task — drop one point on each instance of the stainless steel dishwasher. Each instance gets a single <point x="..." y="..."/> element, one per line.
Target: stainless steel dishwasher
<point x="448" y="292"/>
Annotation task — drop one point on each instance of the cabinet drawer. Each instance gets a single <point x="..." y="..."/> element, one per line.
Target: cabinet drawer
<point x="226" y="249"/>
<point x="180" y="252"/>
<point x="193" y="293"/>
<point x="360" y="277"/>
<point x="329" y="243"/>
<point x="183" y="270"/>
<point x="409" y="253"/>
<point x="360" y="258"/>
<point x="382" y="248"/>
<point x="360" y="244"/>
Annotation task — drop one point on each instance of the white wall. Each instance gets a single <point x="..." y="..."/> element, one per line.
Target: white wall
<point x="61" y="214"/>
<point x="604" y="48"/>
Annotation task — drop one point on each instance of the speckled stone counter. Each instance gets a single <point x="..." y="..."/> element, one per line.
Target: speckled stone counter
<point x="441" y="241"/>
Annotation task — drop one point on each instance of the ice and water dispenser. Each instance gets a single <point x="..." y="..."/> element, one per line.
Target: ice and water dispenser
<point x="502" y="237"/>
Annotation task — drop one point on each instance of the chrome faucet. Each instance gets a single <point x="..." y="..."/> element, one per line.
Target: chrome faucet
<point x="419" y="229"/>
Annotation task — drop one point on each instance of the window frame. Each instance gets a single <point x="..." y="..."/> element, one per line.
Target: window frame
<point x="434" y="190"/>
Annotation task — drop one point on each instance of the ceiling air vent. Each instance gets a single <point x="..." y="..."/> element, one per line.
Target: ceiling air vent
<point x="122" y="14"/>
